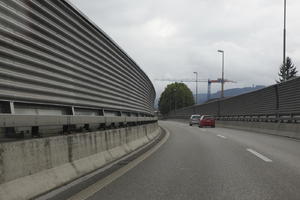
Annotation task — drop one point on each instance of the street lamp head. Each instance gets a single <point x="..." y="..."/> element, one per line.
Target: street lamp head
<point x="195" y="72"/>
<point x="221" y="51"/>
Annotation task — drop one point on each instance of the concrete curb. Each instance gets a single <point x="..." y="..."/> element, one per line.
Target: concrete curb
<point x="279" y="129"/>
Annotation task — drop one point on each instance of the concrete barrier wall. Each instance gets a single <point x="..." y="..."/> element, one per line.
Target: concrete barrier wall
<point x="291" y="130"/>
<point x="31" y="167"/>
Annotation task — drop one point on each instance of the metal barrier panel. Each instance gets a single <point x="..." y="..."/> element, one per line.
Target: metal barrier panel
<point x="208" y="109"/>
<point x="259" y="102"/>
<point x="277" y="103"/>
<point x="51" y="54"/>
<point x="289" y="97"/>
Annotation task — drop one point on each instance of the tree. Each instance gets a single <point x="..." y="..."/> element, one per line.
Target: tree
<point x="175" y="96"/>
<point x="288" y="71"/>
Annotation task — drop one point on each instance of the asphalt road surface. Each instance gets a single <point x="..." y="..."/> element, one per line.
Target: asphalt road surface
<point x="212" y="164"/>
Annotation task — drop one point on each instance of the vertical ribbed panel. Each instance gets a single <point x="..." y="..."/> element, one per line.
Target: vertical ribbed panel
<point x="283" y="98"/>
<point x="289" y="96"/>
<point x="259" y="102"/>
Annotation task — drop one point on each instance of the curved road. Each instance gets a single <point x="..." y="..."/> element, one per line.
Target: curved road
<point x="213" y="164"/>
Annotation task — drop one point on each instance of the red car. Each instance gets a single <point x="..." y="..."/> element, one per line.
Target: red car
<point x="207" y="120"/>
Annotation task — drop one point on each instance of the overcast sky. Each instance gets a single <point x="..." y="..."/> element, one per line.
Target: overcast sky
<point x="174" y="38"/>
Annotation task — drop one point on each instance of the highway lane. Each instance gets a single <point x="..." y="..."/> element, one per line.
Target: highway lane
<point x="213" y="164"/>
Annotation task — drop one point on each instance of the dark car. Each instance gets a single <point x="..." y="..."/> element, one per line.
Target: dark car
<point x="207" y="120"/>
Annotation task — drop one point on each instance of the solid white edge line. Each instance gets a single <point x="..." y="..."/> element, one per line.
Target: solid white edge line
<point x="264" y="158"/>
<point x="221" y="136"/>
<point x="96" y="187"/>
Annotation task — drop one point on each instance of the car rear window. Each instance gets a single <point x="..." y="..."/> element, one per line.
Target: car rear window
<point x="196" y="117"/>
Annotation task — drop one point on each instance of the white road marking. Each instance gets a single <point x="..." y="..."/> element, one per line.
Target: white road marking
<point x="264" y="158"/>
<point x="222" y="136"/>
<point x="93" y="189"/>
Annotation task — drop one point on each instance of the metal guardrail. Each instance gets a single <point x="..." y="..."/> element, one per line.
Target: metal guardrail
<point x="277" y="103"/>
<point x="35" y="120"/>
<point x="37" y="126"/>
<point x="54" y="62"/>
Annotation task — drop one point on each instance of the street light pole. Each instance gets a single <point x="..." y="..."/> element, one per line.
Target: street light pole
<point x="196" y="102"/>
<point x="174" y="90"/>
<point x="284" y="37"/>
<point x="222" y="90"/>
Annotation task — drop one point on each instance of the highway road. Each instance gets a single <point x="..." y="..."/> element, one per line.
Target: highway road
<point x="209" y="163"/>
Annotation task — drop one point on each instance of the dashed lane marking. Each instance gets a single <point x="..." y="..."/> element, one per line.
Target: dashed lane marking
<point x="264" y="158"/>
<point x="222" y="136"/>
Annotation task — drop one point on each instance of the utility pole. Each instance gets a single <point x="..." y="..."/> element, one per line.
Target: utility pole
<point x="196" y="101"/>
<point x="175" y="106"/>
<point x="284" y="37"/>
<point x="222" y="83"/>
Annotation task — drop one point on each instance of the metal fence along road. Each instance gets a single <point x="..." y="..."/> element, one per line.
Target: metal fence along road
<point x="56" y="62"/>
<point x="277" y="103"/>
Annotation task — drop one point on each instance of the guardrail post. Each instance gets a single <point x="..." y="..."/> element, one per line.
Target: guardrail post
<point x="219" y="108"/>
<point x="35" y="131"/>
<point x="73" y="111"/>
<point x="11" y="107"/>
<point x="10" y="131"/>
<point x="277" y="103"/>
